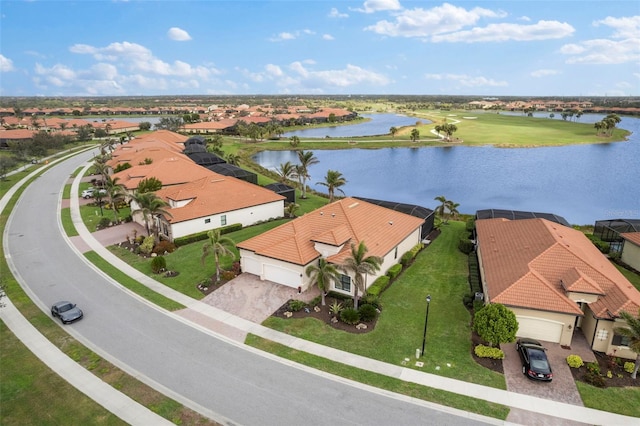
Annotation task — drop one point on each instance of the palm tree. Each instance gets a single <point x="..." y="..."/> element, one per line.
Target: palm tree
<point x="115" y="192"/>
<point x="333" y="181"/>
<point x="415" y="135"/>
<point x="294" y="141"/>
<point x="286" y="171"/>
<point x="441" y="207"/>
<point x="453" y="210"/>
<point x="291" y="208"/>
<point x="322" y="275"/>
<point x="361" y="265"/>
<point x="233" y="159"/>
<point x="217" y="246"/>
<point x="150" y="205"/>
<point x="393" y="130"/>
<point x="307" y="159"/>
<point x="632" y="332"/>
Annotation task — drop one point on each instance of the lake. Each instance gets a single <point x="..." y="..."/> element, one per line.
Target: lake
<point x="582" y="183"/>
<point x="379" y="125"/>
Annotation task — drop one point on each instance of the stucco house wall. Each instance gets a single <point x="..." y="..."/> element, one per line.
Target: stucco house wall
<point x="567" y="321"/>
<point x="599" y="334"/>
<point x="631" y="254"/>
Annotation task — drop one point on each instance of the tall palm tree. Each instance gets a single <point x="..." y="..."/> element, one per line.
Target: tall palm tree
<point x="441" y="207"/>
<point x="322" y="275"/>
<point x="233" y="159"/>
<point x="307" y="159"/>
<point x="150" y="205"/>
<point x="393" y="130"/>
<point x="632" y="332"/>
<point x="286" y="171"/>
<point x="361" y="265"/>
<point x="218" y="245"/>
<point x="115" y="193"/>
<point x="333" y="181"/>
<point x="415" y="135"/>
<point x="453" y="210"/>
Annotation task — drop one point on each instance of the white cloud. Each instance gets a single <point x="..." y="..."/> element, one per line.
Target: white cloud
<point x="628" y="27"/>
<point x="371" y="6"/>
<point x="524" y="18"/>
<point x="327" y="37"/>
<point x="335" y="14"/>
<point x="283" y="36"/>
<point x="178" y="34"/>
<point x="274" y="70"/>
<point x="544" y="73"/>
<point x="348" y="76"/>
<point x="467" y="81"/>
<point x="543" y="30"/>
<point x="6" y="64"/>
<point x="420" y="22"/>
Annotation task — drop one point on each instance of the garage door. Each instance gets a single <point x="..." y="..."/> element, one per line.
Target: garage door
<point x="539" y="329"/>
<point x="251" y="266"/>
<point x="282" y="276"/>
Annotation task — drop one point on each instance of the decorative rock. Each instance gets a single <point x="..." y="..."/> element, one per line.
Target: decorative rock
<point x="316" y="308"/>
<point x="334" y="320"/>
<point x="154" y="254"/>
<point x="419" y="364"/>
<point x="361" y="326"/>
<point x="288" y="314"/>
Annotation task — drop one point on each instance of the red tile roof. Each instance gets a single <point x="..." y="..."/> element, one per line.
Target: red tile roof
<point x="342" y="222"/>
<point x="632" y="237"/>
<point x="531" y="263"/>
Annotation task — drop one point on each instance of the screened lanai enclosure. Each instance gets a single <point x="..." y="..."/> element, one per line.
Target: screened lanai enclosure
<point x="203" y="158"/>
<point x="227" y="169"/>
<point x="410" y="209"/>
<point x="284" y="190"/>
<point x="609" y="230"/>
<point x="515" y="215"/>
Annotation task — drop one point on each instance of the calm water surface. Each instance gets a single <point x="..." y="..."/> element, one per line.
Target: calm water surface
<point x="582" y="183"/>
<point x="379" y="125"/>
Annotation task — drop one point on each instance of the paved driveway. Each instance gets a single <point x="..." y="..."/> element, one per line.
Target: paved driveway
<point x="561" y="389"/>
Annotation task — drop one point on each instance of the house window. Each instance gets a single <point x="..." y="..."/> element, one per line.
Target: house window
<point x="602" y="334"/>
<point x="223" y="220"/>
<point x="395" y="253"/>
<point x="207" y="221"/>
<point x="619" y="340"/>
<point x="344" y="284"/>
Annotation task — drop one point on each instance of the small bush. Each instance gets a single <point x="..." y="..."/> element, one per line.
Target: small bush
<point x="164" y="247"/>
<point x="147" y="244"/>
<point x="465" y="245"/>
<point x="158" y="264"/>
<point x="201" y="236"/>
<point x="470" y="224"/>
<point x="296" y="305"/>
<point x="593" y="367"/>
<point x="467" y="300"/>
<point x="371" y="299"/>
<point x="603" y="246"/>
<point x="483" y="351"/>
<point x="104" y="222"/>
<point x="335" y="308"/>
<point x="575" y="361"/>
<point x="315" y="301"/>
<point x="629" y="366"/>
<point x="594" y="379"/>
<point x="406" y="258"/>
<point x="394" y="271"/>
<point x="378" y="285"/>
<point x="227" y="275"/>
<point x="350" y="316"/>
<point x="367" y="312"/>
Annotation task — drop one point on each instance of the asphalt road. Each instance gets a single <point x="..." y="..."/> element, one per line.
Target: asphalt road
<point x="221" y="378"/>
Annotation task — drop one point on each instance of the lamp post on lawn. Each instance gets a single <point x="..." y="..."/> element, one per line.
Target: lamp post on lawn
<point x="426" y="319"/>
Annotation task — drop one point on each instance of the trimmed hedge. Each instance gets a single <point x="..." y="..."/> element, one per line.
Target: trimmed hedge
<point x="406" y="258"/>
<point x="394" y="271"/>
<point x="465" y="245"/>
<point x="379" y="285"/>
<point x="575" y="361"/>
<point x="483" y="351"/>
<point x="201" y="236"/>
<point x="367" y="312"/>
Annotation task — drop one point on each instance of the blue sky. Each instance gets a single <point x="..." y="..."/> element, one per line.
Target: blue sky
<point x="484" y="48"/>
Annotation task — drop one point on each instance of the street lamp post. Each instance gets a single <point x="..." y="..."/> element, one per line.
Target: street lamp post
<point x="426" y="319"/>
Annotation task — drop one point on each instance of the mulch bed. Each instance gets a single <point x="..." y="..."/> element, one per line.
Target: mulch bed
<point x="491" y="364"/>
<point x="325" y="316"/>
<point x="606" y="365"/>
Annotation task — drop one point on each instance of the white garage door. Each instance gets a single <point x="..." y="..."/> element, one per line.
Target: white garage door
<point x="251" y="266"/>
<point x="539" y="329"/>
<point x="282" y="276"/>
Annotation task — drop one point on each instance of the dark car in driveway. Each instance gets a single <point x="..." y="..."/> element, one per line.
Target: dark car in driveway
<point x="535" y="364"/>
<point x="67" y="312"/>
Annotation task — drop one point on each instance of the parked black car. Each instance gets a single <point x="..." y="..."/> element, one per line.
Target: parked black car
<point x="535" y="364"/>
<point x="67" y="312"/>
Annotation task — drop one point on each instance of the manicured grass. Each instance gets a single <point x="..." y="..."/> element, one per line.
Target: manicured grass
<point x="633" y="278"/>
<point x="67" y="222"/>
<point x="441" y="271"/>
<point x="90" y="214"/>
<point x="624" y="401"/>
<point x="383" y="382"/>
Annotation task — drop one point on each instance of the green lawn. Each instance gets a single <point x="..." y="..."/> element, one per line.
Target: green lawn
<point x="631" y="276"/>
<point x="441" y="271"/>
<point x="615" y="400"/>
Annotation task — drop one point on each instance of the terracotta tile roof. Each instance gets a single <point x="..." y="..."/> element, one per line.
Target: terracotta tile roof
<point x="525" y="261"/>
<point x="213" y="194"/>
<point x="16" y="134"/>
<point x="345" y="221"/>
<point x="212" y="125"/>
<point x="135" y="155"/>
<point x="632" y="237"/>
<point x="170" y="171"/>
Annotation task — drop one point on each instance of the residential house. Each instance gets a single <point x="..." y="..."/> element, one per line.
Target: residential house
<point x="631" y="249"/>
<point x="555" y="280"/>
<point x="283" y="254"/>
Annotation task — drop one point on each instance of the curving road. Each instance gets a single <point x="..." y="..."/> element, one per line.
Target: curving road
<point x="226" y="381"/>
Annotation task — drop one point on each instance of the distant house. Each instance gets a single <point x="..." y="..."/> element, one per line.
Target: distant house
<point x="555" y="281"/>
<point x="631" y="249"/>
<point x="282" y="254"/>
<point x="610" y="230"/>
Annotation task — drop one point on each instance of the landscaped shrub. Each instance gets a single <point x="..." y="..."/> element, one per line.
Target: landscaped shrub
<point x="594" y="368"/>
<point x="378" y="285"/>
<point x="350" y="316"/>
<point x="104" y="222"/>
<point x="164" y="246"/>
<point x="629" y="366"/>
<point x="227" y="275"/>
<point x="394" y="271"/>
<point x="147" y="244"/>
<point x="603" y="246"/>
<point x="296" y="305"/>
<point x="201" y="236"/>
<point x="575" y="361"/>
<point x="483" y="351"/>
<point x="335" y="308"/>
<point x="594" y="379"/>
<point x="367" y="312"/>
<point x="470" y="224"/>
<point x="467" y="300"/>
<point x="372" y="299"/>
<point x="315" y="301"/>
<point x="158" y="264"/>
<point x="406" y="258"/>
<point x="465" y="245"/>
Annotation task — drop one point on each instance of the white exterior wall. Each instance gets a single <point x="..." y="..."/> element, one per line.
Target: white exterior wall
<point x="566" y="320"/>
<point x="247" y="216"/>
<point x="631" y="255"/>
<point x="274" y="270"/>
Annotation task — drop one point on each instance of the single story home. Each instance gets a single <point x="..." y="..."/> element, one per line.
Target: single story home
<point x="283" y="254"/>
<point x="631" y="249"/>
<point x="555" y="281"/>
